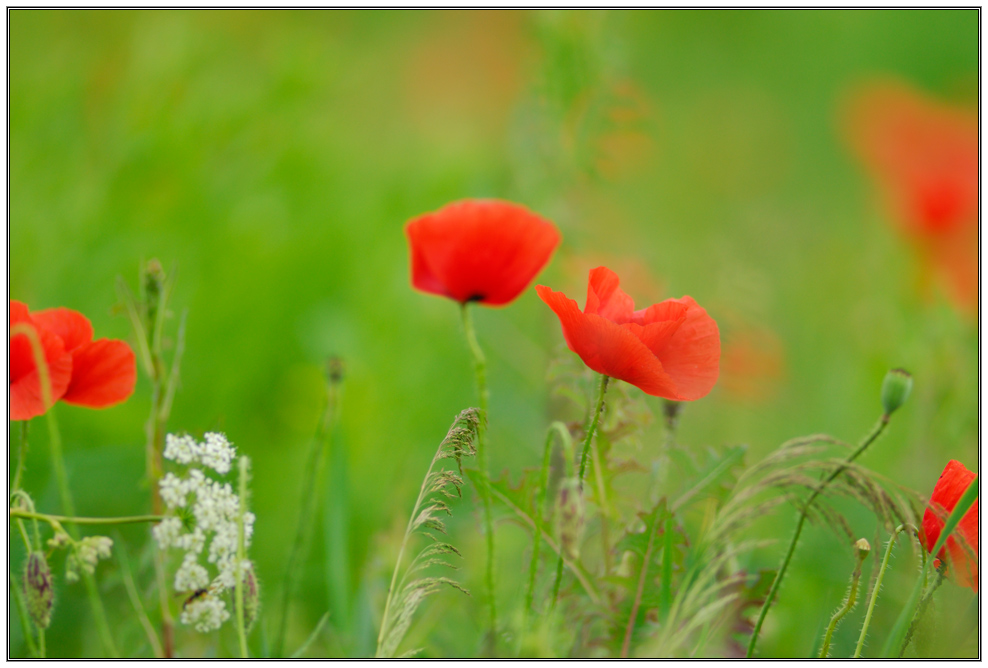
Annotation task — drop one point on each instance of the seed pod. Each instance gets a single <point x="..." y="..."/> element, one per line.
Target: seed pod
<point x="896" y="387"/>
<point x="38" y="589"/>
<point x="572" y="515"/>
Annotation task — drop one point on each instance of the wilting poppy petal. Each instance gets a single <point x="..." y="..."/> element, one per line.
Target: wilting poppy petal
<point x="479" y="250"/>
<point x="104" y="373"/>
<point x="671" y="349"/>
<point x="962" y="546"/>
<point x="71" y="326"/>
<point x="25" y="381"/>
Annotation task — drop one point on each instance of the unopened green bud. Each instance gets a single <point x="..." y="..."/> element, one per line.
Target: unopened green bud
<point x="252" y="598"/>
<point x="572" y="514"/>
<point x="38" y="589"/>
<point x="895" y="390"/>
<point x="863" y="547"/>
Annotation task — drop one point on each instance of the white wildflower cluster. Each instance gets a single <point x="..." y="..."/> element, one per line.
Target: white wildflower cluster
<point x="86" y="553"/>
<point x="203" y="511"/>
<point x="215" y="451"/>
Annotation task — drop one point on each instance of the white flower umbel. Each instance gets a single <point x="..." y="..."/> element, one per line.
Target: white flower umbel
<point x="203" y="511"/>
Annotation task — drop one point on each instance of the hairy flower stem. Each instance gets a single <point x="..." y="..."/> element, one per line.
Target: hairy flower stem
<point x="18" y="595"/>
<point x="315" y="463"/>
<point x="61" y="477"/>
<point x="591" y="430"/>
<point x="849" y="603"/>
<point x="869" y="439"/>
<point x="480" y="368"/>
<point x="878" y="586"/>
<point x="241" y="557"/>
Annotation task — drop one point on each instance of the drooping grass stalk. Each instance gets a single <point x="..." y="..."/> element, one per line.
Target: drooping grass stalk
<point x="244" y="472"/>
<point x="564" y="436"/>
<point x="878" y="587"/>
<point x="849" y="601"/>
<point x="405" y="595"/>
<point x="135" y="598"/>
<point x="896" y="636"/>
<point x="61" y="476"/>
<point x="480" y="368"/>
<point x="315" y="464"/>
<point x="868" y="440"/>
<point x="591" y="430"/>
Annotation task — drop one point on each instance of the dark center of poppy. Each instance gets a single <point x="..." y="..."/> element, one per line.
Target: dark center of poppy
<point x="476" y="297"/>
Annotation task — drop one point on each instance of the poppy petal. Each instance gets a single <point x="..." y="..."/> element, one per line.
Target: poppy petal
<point x="607" y="347"/>
<point x="26" y="399"/>
<point x="71" y="326"/>
<point x="479" y="250"/>
<point x="104" y="373"/>
<point x="606" y="299"/>
<point x="962" y="546"/>
<point x="691" y="354"/>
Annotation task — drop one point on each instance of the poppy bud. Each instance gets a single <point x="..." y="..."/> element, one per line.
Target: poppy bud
<point x="38" y="589"/>
<point x="895" y="390"/>
<point x="572" y="514"/>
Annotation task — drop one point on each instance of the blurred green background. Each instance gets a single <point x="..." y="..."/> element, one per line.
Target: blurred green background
<point x="274" y="157"/>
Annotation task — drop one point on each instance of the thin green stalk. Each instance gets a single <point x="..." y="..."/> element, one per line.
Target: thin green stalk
<point x="897" y="634"/>
<point x="591" y="430"/>
<point x="480" y="368"/>
<point x="315" y="464"/>
<point x="605" y="533"/>
<point x="877" y="587"/>
<point x="56" y="520"/>
<point x="21" y="456"/>
<point x="869" y="439"/>
<point x="135" y="598"/>
<point x="241" y="557"/>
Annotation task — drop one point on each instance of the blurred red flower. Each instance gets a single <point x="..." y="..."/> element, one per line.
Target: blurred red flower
<point x="479" y="250"/>
<point x="923" y="154"/>
<point x="84" y="372"/>
<point x="670" y="349"/>
<point x="962" y="554"/>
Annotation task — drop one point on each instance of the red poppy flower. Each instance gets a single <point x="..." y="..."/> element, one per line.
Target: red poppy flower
<point x="962" y="554"/>
<point x="923" y="154"/>
<point x="84" y="372"/>
<point x="479" y="250"/>
<point x="670" y="349"/>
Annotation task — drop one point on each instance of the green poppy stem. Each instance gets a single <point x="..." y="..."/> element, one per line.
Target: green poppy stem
<point x="480" y="369"/>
